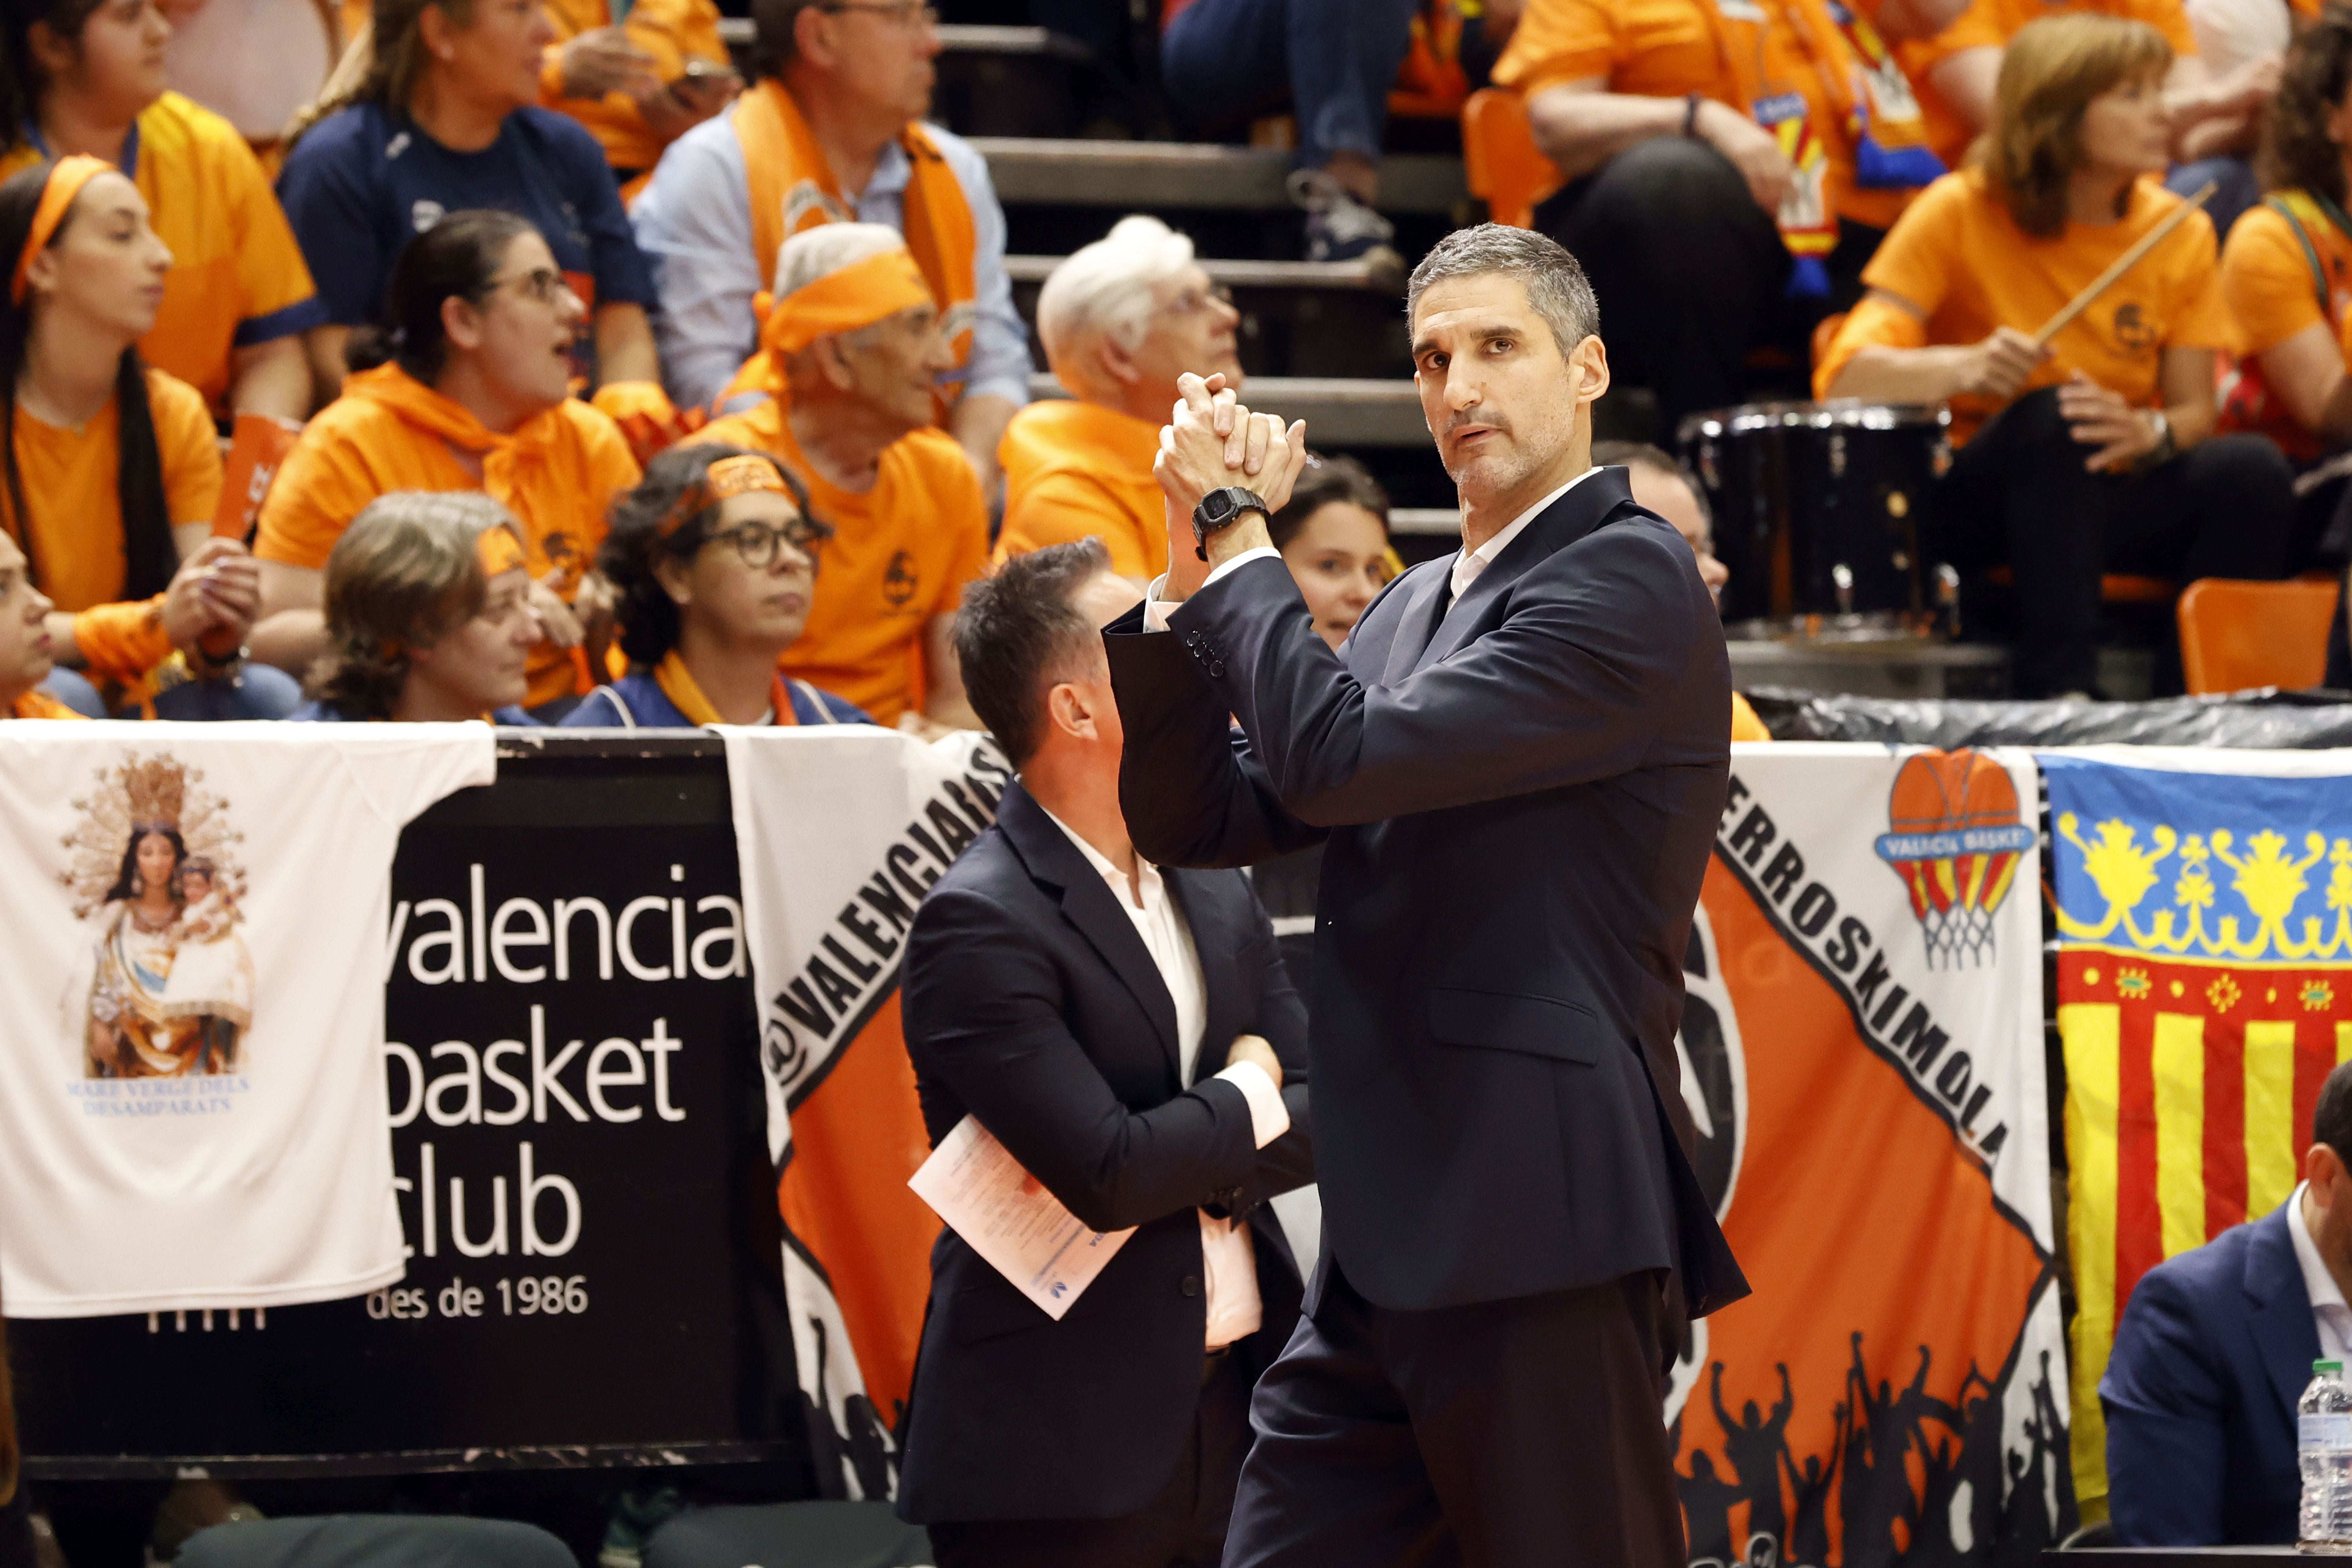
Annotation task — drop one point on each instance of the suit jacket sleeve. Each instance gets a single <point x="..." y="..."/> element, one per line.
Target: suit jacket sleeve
<point x="1569" y="689"/>
<point x="1288" y="1161"/>
<point x="984" y="1017"/>
<point x="2167" y="1446"/>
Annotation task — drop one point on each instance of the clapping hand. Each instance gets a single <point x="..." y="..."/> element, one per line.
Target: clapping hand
<point x="1212" y="441"/>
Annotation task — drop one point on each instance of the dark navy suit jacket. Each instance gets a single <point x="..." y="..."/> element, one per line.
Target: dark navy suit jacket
<point x="1032" y="1004"/>
<point x="2214" y="1349"/>
<point x="1519" y="798"/>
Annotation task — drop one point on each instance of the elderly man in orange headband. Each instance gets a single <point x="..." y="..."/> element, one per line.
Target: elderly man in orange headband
<point x="849" y="351"/>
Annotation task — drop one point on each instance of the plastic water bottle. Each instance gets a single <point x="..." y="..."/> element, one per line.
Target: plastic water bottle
<point x="2324" y="1440"/>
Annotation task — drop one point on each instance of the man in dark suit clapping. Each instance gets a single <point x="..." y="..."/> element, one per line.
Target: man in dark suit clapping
<point x="1518" y="759"/>
<point x="1129" y="1035"/>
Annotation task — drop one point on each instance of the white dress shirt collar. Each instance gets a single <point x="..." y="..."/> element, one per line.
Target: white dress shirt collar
<point x="2329" y="1314"/>
<point x="1471" y="563"/>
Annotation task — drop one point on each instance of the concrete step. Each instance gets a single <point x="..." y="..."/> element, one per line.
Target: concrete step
<point x="1425" y="521"/>
<point x="1339" y="412"/>
<point x="739" y="33"/>
<point x="1159" y="175"/>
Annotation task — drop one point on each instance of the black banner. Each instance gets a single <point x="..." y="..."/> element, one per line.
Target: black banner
<point x="579" y="1135"/>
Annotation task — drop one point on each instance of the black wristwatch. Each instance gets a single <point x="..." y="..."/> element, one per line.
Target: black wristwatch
<point x="1217" y="511"/>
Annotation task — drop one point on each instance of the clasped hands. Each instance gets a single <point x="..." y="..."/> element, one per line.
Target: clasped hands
<point x="1212" y="440"/>
<point x="2120" y="434"/>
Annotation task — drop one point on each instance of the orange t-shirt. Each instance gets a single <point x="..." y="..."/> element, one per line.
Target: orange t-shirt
<point x="2267" y="279"/>
<point x="1666" y="48"/>
<point x="238" y="278"/>
<point x="38" y="704"/>
<point x="900" y="554"/>
<point x="1961" y="260"/>
<point x="1075" y="471"/>
<point x="389" y="432"/>
<point x="72" y="481"/>
<point x="672" y="31"/>
<point x="1990" y="24"/>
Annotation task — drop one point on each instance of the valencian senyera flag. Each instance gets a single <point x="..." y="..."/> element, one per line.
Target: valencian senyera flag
<point x="2204" y="993"/>
<point x="840" y="831"/>
<point x="1862" y="1052"/>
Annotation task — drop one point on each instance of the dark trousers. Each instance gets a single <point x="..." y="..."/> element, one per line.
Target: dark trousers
<point x="2017" y="492"/>
<point x="1691" y="277"/>
<point x="1504" y="1433"/>
<point x="1182" y="1527"/>
<point x="1221" y="60"/>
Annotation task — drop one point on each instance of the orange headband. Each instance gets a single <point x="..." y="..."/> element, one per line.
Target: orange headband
<point x="67" y="177"/>
<point x="731" y="477"/>
<point x="857" y="295"/>
<point x="500" y="551"/>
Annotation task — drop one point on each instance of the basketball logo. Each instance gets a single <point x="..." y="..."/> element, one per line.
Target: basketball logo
<point x="1955" y="838"/>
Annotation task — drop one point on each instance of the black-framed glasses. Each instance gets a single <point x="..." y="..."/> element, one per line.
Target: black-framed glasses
<point x="903" y="15"/>
<point x="759" y="543"/>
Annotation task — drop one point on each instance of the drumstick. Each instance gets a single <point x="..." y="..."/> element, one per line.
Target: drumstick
<point x="2121" y="265"/>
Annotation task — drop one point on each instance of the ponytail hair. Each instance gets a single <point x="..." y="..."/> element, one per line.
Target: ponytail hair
<point x="150" y="556"/>
<point x="382" y="64"/>
<point x="456" y="259"/>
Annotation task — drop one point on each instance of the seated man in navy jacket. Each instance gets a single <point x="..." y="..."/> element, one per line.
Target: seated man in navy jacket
<point x="2214" y="1349"/>
<point x="1131" y="1038"/>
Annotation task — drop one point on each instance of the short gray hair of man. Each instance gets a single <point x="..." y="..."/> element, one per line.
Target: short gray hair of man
<point x="1555" y="282"/>
<point x="820" y="252"/>
<point x="1106" y="291"/>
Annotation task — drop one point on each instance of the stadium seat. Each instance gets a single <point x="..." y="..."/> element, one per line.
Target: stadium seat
<point x="374" y="1541"/>
<point x="1499" y="156"/>
<point x="2115" y="587"/>
<point x="789" y="1535"/>
<point x="2235" y="636"/>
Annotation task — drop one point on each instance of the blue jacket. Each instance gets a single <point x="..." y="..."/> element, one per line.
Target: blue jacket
<point x="637" y="701"/>
<point x="2214" y="1349"/>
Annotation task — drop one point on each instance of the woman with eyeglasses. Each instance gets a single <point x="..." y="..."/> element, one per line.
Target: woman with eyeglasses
<point x="445" y="118"/>
<point x="461" y="388"/>
<point x="713" y="560"/>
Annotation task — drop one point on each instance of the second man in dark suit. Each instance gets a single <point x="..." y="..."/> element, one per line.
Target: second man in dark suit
<point x="1130" y="1037"/>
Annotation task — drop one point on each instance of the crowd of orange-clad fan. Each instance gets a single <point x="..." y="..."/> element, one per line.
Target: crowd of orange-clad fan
<point x="686" y="340"/>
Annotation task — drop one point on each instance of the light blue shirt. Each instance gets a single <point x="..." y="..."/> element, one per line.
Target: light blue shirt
<point x="694" y="224"/>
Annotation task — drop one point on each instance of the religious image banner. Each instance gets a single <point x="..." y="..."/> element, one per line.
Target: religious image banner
<point x="2204" y="994"/>
<point x="840" y="831"/>
<point x="1862" y="1052"/>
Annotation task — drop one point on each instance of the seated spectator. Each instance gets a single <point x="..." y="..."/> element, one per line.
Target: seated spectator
<point x="1671" y="121"/>
<point x="2213" y="117"/>
<point x="832" y="132"/>
<point x="2095" y="453"/>
<point x="712" y="560"/>
<point x="79" y="78"/>
<point x="638" y="84"/>
<point x="446" y="120"/>
<point x="462" y="387"/>
<point x="1332" y="61"/>
<point x="2285" y="268"/>
<point x="255" y="63"/>
<point x="428" y="614"/>
<point x="1663" y="485"/>
<point x="855" y="341"/>
<point x="2215" y="1346"/>
<point x="113" y="471"/>
<point x="1120" y="319"/>
<point x="1333" y="533"/>
<point x="25" y="643"/>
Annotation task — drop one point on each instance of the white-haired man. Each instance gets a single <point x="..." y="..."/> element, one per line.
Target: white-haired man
<point x="833" y="130"/>
<point x="854" y="346"/>
<point x="1121" y="320"/>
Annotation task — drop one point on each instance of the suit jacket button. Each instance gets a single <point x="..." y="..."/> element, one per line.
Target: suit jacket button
<point x="1191" y="1286"/>
<point x="1217" y="668"/>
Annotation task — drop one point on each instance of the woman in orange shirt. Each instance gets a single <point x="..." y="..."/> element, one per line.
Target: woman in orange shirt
<point x="2096" y="453"/>
<point x="463" y="387"/>
<point x="111" y="470"/>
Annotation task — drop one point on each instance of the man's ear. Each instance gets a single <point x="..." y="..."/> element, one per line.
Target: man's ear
<point x="1067" y="710"/>
<point x="831" y="363"/>
<point x="1115" y="363"/>
<point x="2323" y="1167"/>
<point x="812" y="37"/>
<point x="1588" y="369"/>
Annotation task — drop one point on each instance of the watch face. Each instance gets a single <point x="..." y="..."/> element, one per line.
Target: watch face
<point x="1219" y="505"/>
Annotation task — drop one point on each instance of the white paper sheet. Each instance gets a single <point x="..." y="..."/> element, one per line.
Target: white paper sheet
<point x="1009" y="1218"/>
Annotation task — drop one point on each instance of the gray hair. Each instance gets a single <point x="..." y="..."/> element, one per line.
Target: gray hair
<point x="1106" y="290"/>
<point x="1555" y="283"/>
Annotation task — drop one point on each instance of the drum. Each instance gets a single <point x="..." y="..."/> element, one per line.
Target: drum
<point x="1818" y="508"/>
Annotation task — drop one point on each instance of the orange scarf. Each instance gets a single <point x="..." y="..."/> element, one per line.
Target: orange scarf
<point x="793" y="188"/>
<point x="38" y="704"/>
<point x="678" y="684"/>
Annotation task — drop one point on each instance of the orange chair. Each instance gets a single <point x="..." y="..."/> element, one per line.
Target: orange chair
<point x="1501" y="159"/>
<point x="2234" y="634"/>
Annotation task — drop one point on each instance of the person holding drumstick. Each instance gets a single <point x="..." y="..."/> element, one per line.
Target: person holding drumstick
<point x="2086" y="441"/>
